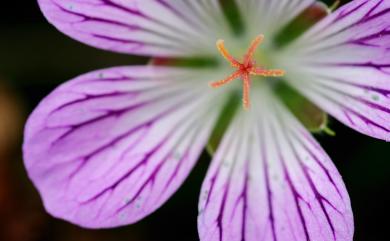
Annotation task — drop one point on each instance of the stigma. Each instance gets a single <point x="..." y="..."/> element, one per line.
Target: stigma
<point x="245" y="69"/>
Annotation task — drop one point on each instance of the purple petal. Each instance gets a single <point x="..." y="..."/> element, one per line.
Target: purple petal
<point x="111" y="146"/>
<point x="271" y="181"/>
<point x="343" y="65"/>
<point x="157" y="28"/>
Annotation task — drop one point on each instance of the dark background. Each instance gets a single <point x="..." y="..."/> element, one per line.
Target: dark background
<point x="35" y="58"/>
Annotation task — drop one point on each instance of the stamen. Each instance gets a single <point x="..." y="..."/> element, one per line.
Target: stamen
<point x="245" y="69"/>
<point x="267" y="72"/>
<point x="252" y="48"/>
<point x="246" y="91"/>
<point x="221" y="47"/>
<point x="229" y="79"/>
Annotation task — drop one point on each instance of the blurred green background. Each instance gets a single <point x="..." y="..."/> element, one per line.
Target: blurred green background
<point x="35" y="58"/>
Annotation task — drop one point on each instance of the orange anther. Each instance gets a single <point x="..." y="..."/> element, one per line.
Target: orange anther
<point x="225" y="53"/>
<point x="245" y="69"/>
<point x="246" y="91"/>
<point x="267" y="72"/>
<point x="230" y="78"/>
<point x="252" y="48"/>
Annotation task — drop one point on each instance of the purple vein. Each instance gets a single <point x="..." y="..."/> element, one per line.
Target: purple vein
<point x="267" y="178"/>
<point x="221" y="212"/>
<point x="129" y="26"/>
<point x="320" y="198"/>
<point x="367" y="120"/>
<point x="296" y="195"/>
<point x="152" y="177"/>
<point x="142" y="162"/>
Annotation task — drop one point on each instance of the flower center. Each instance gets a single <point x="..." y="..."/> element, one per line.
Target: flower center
<point x="245" y="69"/>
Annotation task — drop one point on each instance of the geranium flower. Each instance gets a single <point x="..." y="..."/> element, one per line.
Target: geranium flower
<point x="110" y="147"/>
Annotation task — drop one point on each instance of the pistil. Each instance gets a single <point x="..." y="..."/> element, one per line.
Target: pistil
<point x="245" y="69"/>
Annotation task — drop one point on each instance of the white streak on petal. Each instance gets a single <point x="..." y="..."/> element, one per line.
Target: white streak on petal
<point x="343" y="65"/>
<point x="268" y="17"/>
<point x="110" y="147"/>
<point x="270" y="181"/>
<point x="157" y="28"/>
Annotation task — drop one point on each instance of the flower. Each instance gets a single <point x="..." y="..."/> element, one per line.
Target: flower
<point x="110" y="147"/>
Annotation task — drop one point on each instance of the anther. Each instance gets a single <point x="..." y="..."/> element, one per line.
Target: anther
<point x="232" y="77"/>
<point x="252" y="48"/>
<point x="225" y="53"/>
<point x="245" y="69"/>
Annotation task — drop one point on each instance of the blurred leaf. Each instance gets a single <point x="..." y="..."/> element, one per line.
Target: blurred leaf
<point x="223" y="122"/>
<point x="233" y="16"/>
<point x="36" y="53"/>
<point x="300" y="24"/>
<point x="311" y="116"/>
<point x="11" y="119"/>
